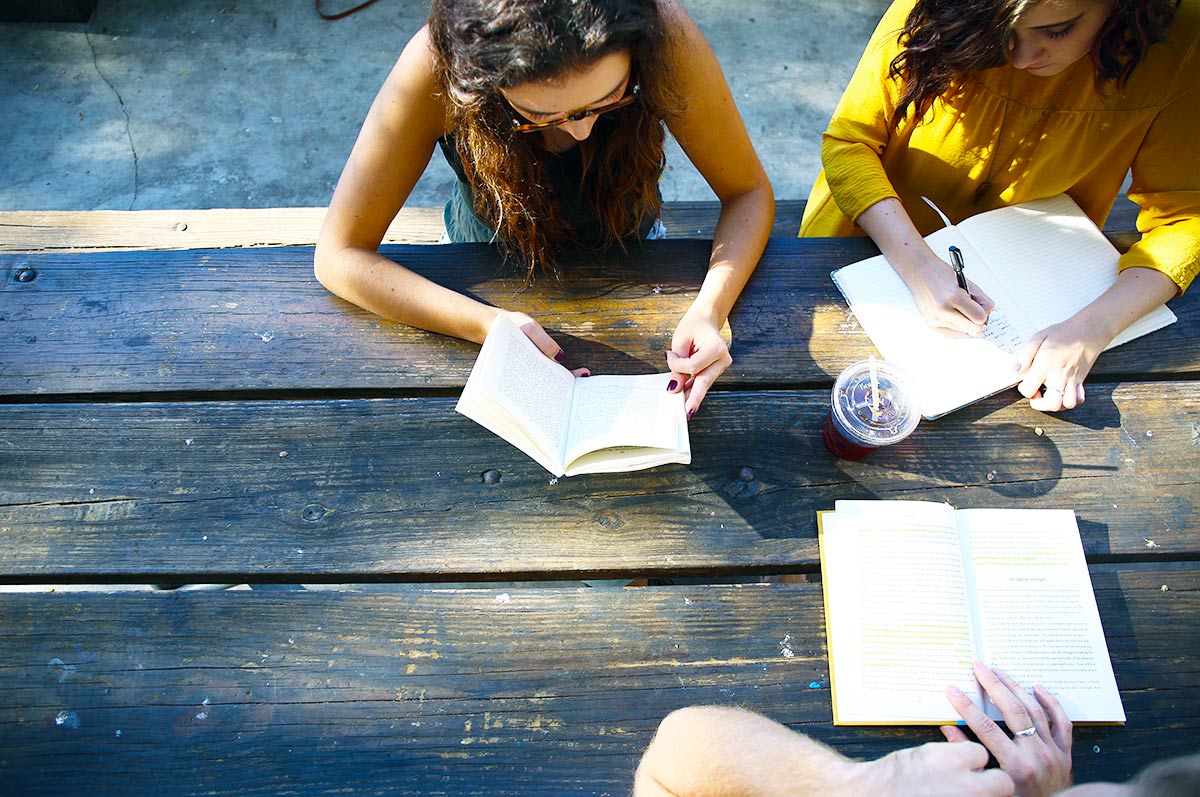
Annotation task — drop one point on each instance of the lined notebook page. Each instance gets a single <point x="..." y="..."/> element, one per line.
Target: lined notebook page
<point x="1051" y="256"/>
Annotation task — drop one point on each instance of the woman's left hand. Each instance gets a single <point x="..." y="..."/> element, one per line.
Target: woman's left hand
<point x="698" y="355"/>
<point x="1039" y="762"/>
<point x="1054" y="363"/>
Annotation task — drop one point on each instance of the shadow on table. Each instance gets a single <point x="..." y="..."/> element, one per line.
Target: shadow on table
<point x="774" y="471"/>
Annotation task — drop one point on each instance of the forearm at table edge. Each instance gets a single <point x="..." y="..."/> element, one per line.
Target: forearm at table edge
<point x="1136" y="292"/>
<point x="888" y="224"/>
<point x="711" y="750"/>
<point x="743" y="229"/>
<point x="384" y="287"/>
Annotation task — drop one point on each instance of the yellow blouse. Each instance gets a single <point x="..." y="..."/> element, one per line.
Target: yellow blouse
<point x="1030" y="137"/>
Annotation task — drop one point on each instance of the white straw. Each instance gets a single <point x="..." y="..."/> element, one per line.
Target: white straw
<point x="874" y="390"/>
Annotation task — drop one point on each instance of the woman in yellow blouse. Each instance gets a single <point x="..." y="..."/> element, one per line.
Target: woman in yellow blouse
<point x="979" y="104"/>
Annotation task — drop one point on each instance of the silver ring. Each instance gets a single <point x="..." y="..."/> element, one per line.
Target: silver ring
<point x="1054" y="390"/>
<point x="1030" y="731"/>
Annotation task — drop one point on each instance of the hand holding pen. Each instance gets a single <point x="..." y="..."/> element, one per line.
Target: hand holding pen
<point x="953" y="304"/>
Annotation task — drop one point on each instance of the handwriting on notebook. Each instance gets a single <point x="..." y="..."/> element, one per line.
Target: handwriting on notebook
<point x="1001" y="331"/>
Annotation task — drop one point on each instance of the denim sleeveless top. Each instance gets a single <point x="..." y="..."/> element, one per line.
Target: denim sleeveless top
<point x="563" y="171"/>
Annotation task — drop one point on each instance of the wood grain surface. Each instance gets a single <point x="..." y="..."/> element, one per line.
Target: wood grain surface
<point x="479" y="692"/>
<point x="392" y="488"/>
<point x="256" y="320"/>
<point x="93" y="230"/>
<point x="215" y="416"/>
<point x="100" y="230"/>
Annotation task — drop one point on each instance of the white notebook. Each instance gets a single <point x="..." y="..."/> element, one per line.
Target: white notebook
<point x="1040" y="261"/>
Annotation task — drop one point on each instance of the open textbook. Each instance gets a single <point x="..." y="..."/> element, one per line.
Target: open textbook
<point x="601" y="424"/>
<point x="1040" y="261"/>
<point x="916" y="591"/>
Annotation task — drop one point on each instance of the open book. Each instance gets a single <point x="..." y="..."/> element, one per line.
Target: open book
<point x="601" y="424"/>
<point x="916" y="591"/>
<point x="1041" y="262"/>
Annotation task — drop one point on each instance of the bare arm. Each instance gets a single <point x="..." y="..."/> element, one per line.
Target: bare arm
<point x="711" y="132"/>
<point x="704" y="750"/>
<point x="392" y="151"/>
<point x="718" y="750"/>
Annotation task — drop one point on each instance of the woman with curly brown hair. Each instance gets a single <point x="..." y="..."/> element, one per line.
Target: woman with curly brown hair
<point x="553" y="114"/>
<point x="979" y="104"/>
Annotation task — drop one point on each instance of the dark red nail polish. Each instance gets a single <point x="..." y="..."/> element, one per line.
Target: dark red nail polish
<point x="672" y="385"/>
<point x="585" y="374"/>
<point x="560" y="357"/>
<point x="691" y="413"/>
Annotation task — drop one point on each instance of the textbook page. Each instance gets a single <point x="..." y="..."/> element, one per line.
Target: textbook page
<point x="519" y="394"/>
<point x="621" y="423"/>
<point x="1038" y="620"/>
<point x="1051" y="256"/>
<point x="950" y="369"/>
<point x="897" y="613"/>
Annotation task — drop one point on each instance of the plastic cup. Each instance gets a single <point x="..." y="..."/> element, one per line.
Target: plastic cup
<point x="866" y="414"/>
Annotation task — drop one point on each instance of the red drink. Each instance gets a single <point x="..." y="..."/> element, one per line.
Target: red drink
<point x="837" y="443"/>
<point x="872" y="404"/>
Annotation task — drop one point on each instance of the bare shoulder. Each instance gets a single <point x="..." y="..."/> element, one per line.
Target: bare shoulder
<point x="410" y="91"/>
<point x="683" y="34"/>
<point x="688" y="56"/>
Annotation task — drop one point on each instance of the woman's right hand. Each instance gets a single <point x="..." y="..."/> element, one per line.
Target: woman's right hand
<point x="942" y="302"/>
<point x="533" y="330"/>
<point x="930" y="279"/>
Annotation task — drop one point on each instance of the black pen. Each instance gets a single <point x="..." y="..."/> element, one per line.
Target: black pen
<point x="957" y="261"/>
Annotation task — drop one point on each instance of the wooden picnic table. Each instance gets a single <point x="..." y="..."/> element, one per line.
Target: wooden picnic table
<point x="214" y="416"/>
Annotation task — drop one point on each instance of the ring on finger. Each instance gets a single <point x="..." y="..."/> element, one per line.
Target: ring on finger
<point x="1030" y="731"/>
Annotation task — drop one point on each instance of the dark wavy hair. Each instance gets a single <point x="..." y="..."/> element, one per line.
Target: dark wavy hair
<point x="946" y="40"/>
<point x="481" y="46"/>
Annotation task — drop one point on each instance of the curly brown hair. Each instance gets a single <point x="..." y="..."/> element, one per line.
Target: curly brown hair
<point x="946" y="40"/>
<point x="481" y="46"/>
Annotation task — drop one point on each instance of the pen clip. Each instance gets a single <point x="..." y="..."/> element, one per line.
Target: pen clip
<point x="956" y="260"/>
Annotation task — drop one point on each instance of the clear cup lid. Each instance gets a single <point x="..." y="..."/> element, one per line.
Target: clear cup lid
<point x="876" y="403"/>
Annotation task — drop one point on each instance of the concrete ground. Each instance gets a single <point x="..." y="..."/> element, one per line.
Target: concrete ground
<point x="256" y="103"/>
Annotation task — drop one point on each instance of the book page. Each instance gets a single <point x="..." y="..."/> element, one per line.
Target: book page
<point x="1053" y="259"/>
<point x="897" y="614"/>
<point x="618" y="411"/>
<point x="951" y="370"/>
<point x="521" y="395"/>
<point x="1037" y="612"/>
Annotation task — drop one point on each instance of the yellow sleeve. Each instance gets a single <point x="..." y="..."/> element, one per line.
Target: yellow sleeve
<point x="1166" y="186"/>
<point x="858" y="133"/>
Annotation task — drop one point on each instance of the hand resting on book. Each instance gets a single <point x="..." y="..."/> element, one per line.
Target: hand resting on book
<point x="713" y="750"/>
<point x="1040" y="762"/>
<point x="1055" y="361"/>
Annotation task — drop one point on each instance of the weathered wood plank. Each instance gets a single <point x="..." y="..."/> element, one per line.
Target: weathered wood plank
<point x="256" y="319"/>
<point x="428" y="691"/>
<point x="391" y="488"/>
<point x="114" y="230"/>
<point x="100" y="230"/>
